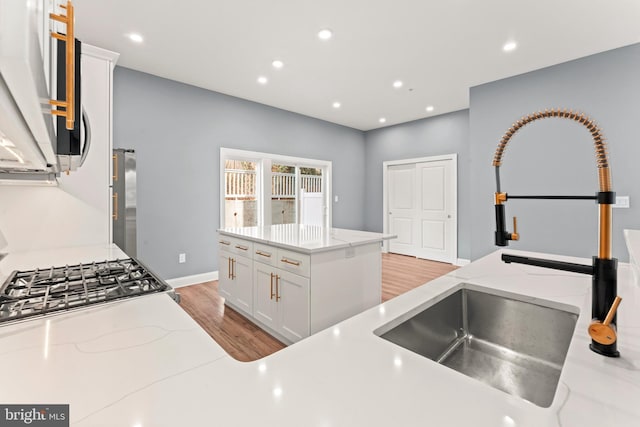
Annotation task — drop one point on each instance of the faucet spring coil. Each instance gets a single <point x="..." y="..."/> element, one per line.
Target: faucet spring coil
<point x="602" y="161"/>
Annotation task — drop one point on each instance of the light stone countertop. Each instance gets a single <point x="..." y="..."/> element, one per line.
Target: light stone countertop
<point x="305" y="238"/>
<point x="145" y="363"/>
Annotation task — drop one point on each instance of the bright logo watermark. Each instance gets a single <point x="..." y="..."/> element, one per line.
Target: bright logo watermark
<point x="34" y="415"/>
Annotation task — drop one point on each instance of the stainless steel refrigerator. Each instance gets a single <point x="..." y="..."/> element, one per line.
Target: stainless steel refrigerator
<point x="124" y="200"/>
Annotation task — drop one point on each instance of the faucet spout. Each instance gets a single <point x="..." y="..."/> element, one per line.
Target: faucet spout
<point x="604" y="267"/>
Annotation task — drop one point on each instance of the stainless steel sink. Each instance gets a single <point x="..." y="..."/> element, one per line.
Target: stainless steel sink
<point x="514" y="343"/>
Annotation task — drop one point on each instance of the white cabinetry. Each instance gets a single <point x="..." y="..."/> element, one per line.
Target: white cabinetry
<point x="91" y="183"/>
<point x="293" y="306"/>
<point x="295" y="294"/>
<point x="281" y="301"/>
<point x="236" y="274"/>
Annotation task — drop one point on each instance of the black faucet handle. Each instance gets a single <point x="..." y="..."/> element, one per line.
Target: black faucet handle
<point x="502" y="236"/>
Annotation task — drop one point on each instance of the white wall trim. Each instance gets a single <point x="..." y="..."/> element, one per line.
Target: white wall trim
<point x="100" y="53"/>
<point x="385" y="207"/>
<point x="461" y="262"/>
<point x="195" y="279"/>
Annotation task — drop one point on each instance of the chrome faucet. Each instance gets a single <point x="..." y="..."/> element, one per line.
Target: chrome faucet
<point x="604" y="267"/>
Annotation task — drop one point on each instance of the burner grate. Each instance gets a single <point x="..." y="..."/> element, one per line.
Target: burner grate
<point x="42" y="291"/>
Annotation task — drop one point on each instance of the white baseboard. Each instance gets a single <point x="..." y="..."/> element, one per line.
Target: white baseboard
<point x="179" y="282"/>
<point x="461" y="262"/>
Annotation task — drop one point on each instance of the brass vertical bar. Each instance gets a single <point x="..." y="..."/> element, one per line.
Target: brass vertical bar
<point x="229" y="268"/>
<point x="114" y="175"/>
<point x="604" y="251"/>
<point x="114" y="215"/>
<point x="277" y="288"/>
<point x="271" y="296"/>
<point x="71" y="69"/>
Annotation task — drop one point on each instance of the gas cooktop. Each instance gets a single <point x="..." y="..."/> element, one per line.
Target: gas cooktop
<point x="43" y="291"/>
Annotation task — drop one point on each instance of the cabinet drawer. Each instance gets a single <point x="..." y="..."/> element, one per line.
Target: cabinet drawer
<point x="265" y="254"/>
<point x="235" y="246"/>
<point x="294" y="261"/>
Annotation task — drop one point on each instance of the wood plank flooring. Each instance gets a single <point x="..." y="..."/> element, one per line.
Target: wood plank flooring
<point x="246" y="342"/>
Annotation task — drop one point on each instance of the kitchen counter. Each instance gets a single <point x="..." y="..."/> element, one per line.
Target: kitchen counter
<point x="144" y="362"/>
<point x="305" y="238"/>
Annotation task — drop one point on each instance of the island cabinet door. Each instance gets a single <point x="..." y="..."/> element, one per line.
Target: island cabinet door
<point x="293" y="305"/>
<point x="224" y="275"/>
<point x="265" y="308"/>
<point x="242" y="284"/>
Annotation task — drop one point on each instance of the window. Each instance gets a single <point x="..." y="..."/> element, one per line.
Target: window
<point x="299" y="190"/>
<point x="283" y="194"/>
<point x="240" y="201"/>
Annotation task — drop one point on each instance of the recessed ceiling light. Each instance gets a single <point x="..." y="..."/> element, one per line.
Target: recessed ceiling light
<point x="135" y="37"/>
<point x="277" y="64"/>
<point x="263" y="80"/>
<point x="382" y="120"/>
<point x="325" y="34"/>
<point x="397" y="84"/>
<point x="509" y="46"/>
<point x="336" y="104"/>
<point x="429" y="108"/>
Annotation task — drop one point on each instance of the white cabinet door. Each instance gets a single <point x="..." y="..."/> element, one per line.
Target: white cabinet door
<point x="235" y="281"/>
<point x="292" y="296"/>
<point x="242" y="283"/>
<point x="265" y="308"/>
<point x="224" y="276"/>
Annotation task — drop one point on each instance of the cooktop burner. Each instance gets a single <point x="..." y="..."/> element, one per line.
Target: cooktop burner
<point x="43" y="291"/>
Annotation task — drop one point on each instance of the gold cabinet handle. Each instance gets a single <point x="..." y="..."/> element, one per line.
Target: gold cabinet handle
<point x="115" y="167"/>
<point x="114" y="215"/>
<point x="70" y="42"/>
<point x="242" y="248"/>
<point x="233" y="268"/>
<point x="272" y="294"/>
<point x="288" y="261"/>
<point x="225" y="242"/>
<point x="265" y="254"/>
<point x="229" y="268"/>
<point x="277" y="288"/>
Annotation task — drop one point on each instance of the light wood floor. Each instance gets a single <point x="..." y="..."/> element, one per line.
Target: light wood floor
<point x="246" y="342"/>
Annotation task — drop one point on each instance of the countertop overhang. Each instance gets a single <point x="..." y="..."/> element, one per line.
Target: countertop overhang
<point x="305" y="238"/>
<point x="146" y="362"/>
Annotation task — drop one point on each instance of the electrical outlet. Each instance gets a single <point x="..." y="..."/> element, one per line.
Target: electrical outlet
<point x="622" y="202"/>
<point x="182" y="258"/>
<point x="335" y="198"/>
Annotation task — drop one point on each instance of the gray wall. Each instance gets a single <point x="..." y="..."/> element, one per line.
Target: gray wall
<point x="177" y="131"/>
<point x="444" y="134"/>
<point x="555" y="156"/>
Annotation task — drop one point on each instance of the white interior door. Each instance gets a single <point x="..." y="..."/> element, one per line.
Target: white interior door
<point x="402" y="208"/>
<point x="435" y="213"/>
<point x="421" y="200"/>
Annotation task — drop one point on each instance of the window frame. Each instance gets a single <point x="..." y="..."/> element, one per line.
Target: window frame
<point x="263" y="181"/>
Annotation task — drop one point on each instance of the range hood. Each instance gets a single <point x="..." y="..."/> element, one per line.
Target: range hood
<point x="26" y="125"/>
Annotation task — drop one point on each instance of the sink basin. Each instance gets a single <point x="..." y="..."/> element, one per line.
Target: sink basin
<point x="511" y="342"/>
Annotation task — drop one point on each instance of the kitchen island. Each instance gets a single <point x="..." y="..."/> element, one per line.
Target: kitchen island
<point x="295" y="280"/>
<point x="145" y="362"/>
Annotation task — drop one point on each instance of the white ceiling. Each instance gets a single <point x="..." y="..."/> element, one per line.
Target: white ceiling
<point x="437" y="48"/>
